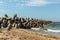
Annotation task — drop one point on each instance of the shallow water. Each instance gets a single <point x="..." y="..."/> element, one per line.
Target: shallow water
<point x="53" y="28"/>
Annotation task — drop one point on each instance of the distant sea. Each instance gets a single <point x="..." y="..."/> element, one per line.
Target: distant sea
<point x="53" y="28"/>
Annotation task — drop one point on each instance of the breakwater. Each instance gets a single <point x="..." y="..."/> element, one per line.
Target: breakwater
<point x="17" y="22"/>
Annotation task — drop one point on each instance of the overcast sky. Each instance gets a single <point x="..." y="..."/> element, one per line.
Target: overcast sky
<point x="42" y="9"/>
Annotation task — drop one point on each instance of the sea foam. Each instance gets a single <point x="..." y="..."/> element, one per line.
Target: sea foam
<point x="50" y="30"/>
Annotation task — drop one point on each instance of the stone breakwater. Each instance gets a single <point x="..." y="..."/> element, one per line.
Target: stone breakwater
<point x="16" y="22"/>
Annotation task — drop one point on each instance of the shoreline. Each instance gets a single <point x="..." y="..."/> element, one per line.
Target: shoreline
<point x="46" y="32"/>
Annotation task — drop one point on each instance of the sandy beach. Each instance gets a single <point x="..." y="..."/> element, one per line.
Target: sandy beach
<point x="25" y="34"/>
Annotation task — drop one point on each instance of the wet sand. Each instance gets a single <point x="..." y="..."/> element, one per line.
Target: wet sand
<point x="25" y="34"/>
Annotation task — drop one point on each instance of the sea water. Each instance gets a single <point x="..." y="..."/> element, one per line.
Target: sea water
<point x="53" y="28"/>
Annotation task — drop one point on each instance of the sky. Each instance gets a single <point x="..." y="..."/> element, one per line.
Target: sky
<point x="41" y="9"/>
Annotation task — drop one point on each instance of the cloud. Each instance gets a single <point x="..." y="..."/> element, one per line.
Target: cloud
<point x="37" y="2"/>
<point x="32" y="2"/>
<point x="42" y="2"/>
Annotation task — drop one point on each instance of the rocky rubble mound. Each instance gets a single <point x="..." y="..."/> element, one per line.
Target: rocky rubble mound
<point x="17" y="22"/>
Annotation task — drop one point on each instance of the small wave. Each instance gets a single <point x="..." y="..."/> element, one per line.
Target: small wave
<point x="50" y="30"/>
<point x="46" y="30"/>
<point x="35" y="29"/>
